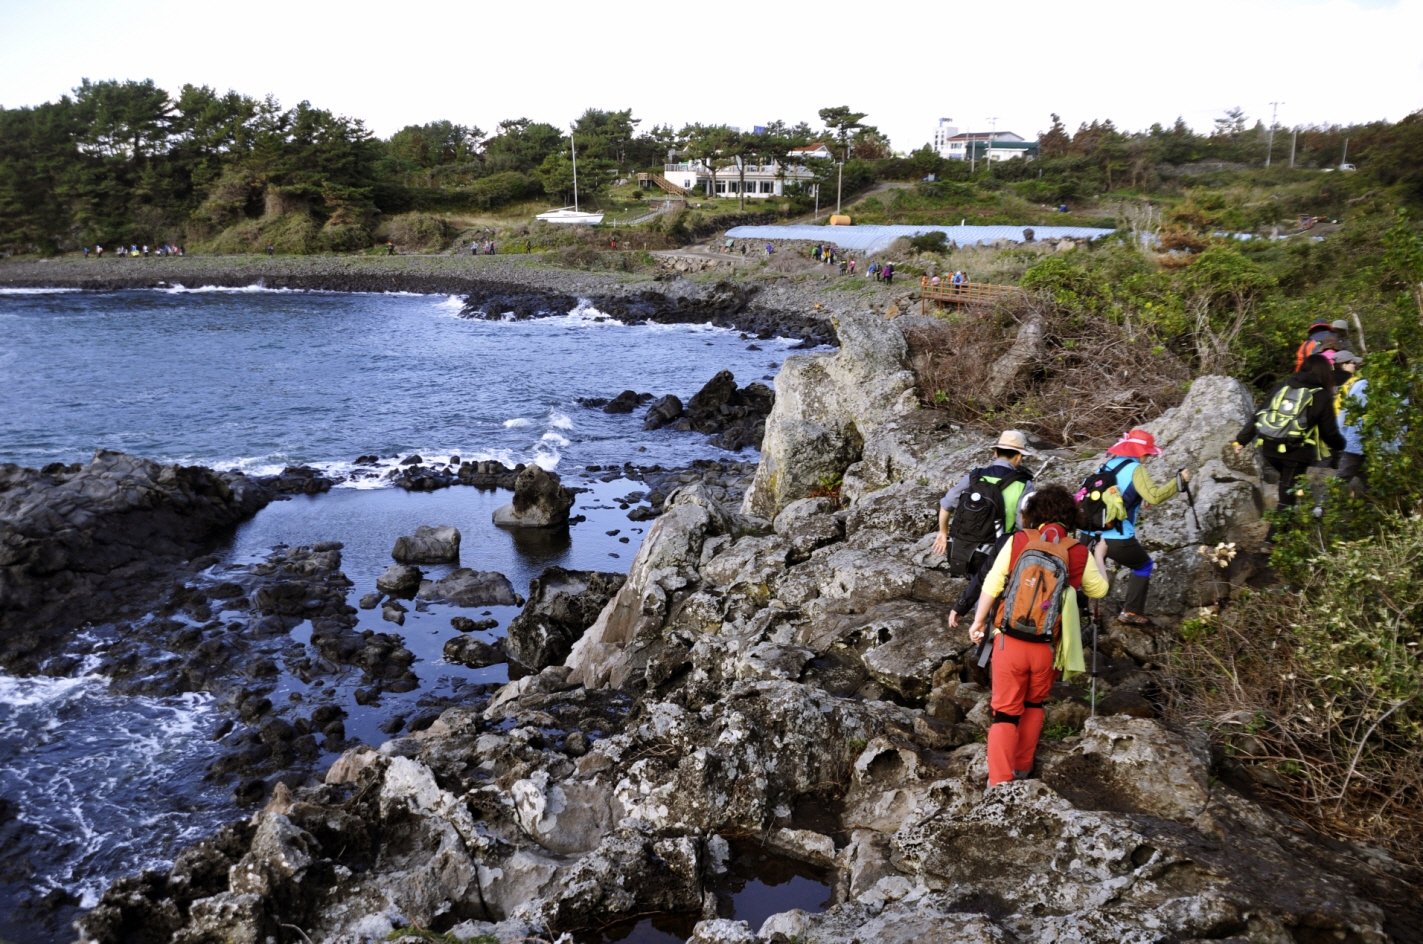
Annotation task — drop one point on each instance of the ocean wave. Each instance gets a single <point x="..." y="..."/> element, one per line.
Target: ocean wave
<point x="518" y="422"/>
<point x="555" y="438"/>
<point x="178" y="288"/>
<point x="90" y="764"/>
<point x="37" y="291"/>
<point x="451" y="303"/>
<point x="558" y="420"/>
<point x="546" y="455"/>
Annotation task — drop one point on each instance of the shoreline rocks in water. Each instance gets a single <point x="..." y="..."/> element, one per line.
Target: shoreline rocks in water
<point x="540" y="501"/>
<point x="439" y="545"/>
<point x="96" y="542"/>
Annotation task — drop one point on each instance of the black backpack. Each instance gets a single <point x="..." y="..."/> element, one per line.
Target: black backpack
<point x="1099" y="500"/>
<point x="978" y="519"/>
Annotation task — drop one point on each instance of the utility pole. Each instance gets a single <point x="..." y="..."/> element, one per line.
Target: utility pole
<point x="992" y="133"/>
<point x="1294" y="139"/>
<point x="1345" y="159"/>
<point x="839" y="186"/>
<point x="1270" y="148"/>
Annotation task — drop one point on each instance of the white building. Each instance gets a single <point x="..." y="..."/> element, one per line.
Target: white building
<point x="942" y="133"/>
<point x="762" y="180"/>
<point x="991" y="145"/>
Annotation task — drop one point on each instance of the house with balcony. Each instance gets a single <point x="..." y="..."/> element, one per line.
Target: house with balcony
<point x="761" y="180"/>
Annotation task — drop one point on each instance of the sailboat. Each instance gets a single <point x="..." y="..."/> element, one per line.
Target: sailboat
<point x="572" y="214"/>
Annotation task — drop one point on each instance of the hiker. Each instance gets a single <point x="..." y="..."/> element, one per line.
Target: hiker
<point x="474" y="247"/>
<point x="1110" y="500"/>
<point x="1322" y="336"/>
<point x="269" y="249"/>
<point x="528" y="246"/>
<point x="1036" y="626"/>
<point x="986" y="506"/>
<point x="888" y="273"/>
<point x="99" y="250"/>
<point x="389" y="248"/>
<point x="815" y="253"/>
<point x="1350" y="401"/>
<point x="875" y="269"/>
<point x="958" y="281"/>
<point x="769" y="249"/>
<point x="935" y="282"/>
<point x="86" y="252"/>
<point x="1296" y="424"/>
<point x="852" y="265"/>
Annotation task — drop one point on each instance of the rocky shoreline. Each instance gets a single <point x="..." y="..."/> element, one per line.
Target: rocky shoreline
<point x="495" y="287"/>
<point x="776" y="667"/>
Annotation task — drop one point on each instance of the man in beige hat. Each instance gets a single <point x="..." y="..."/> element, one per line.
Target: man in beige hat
<point x="985" y="505"/>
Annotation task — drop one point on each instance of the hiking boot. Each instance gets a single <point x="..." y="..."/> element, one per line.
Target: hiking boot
<point x="1133" y="619"/>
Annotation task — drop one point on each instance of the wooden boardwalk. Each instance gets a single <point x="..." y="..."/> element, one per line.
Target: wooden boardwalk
<point x="978" y="294"/>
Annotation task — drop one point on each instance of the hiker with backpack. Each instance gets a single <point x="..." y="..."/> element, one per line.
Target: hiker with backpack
<point x="984" y="504"/>
<point x="1322" y="336"/>
<point x="1030" y="614"/>
<point x="1110" y="500"/>
<point x="1350" y="401"/>
<point x="1297" y="425"/>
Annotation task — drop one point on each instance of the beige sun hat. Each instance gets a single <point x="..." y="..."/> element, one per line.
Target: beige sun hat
<point x="1015" y="440"/>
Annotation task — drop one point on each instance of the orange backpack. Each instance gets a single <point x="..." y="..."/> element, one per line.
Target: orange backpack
<point x="1031" y="607"/>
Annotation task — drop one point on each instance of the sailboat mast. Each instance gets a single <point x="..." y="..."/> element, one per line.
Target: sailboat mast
<point x="574" y="148"/>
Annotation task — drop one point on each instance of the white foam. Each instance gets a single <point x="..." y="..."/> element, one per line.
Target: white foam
<point x="37" y="291"/>
<point x="517" y="422"/>
<point x="451" y="303"/>
<point x="559" y="420"/>
<point x="555" y="438"/>
<point x="177" y="288"/>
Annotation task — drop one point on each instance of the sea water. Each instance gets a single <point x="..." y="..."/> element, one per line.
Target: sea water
<point x="95" y="785"/>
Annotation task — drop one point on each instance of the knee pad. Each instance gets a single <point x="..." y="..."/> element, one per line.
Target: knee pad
<point x="1144" y="571"/>
<point x="1001" y="718"/>
<point x="1033" y="704"/>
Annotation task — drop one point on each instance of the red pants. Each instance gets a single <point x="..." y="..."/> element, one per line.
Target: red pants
<point x="1022" y="675"/>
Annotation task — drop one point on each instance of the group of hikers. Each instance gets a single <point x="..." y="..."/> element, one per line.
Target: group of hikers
<point x="830" y="255"/>
<point x="934" y="282"/>
<point x="134" y="251"/>
<point x="1037" y="554"/>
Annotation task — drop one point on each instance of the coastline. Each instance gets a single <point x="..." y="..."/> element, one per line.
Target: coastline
<point x="492" y="286"/>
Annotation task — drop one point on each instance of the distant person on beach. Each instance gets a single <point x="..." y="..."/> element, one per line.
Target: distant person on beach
<point x="528" y="246"/>
<point x="389" y="248"/>
<point x="86" y="252"/>
<point x="270" y="249"/>
<point x="98" y="250"/>
<point x="888" y="273"/>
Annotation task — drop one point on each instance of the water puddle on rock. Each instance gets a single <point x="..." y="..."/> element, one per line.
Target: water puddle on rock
<point x="757" y="884"/>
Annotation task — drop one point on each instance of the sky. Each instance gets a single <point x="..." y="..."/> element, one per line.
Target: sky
<point x="906" y="63"/>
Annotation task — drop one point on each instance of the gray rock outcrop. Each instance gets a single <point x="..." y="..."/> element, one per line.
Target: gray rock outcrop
<point x="826" y="404"/>
<point x="539" y="501"/>
<point x="440" y="545"/>
<point x="83" y="543"/>
<point x="400" y="580"/>
<point x="471" y="588"/>
<point x="562" y="604"/>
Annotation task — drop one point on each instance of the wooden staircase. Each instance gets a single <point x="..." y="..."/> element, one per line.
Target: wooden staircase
<point x="665" y="184"/>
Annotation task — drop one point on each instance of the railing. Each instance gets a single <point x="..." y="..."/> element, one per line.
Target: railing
<point x="966" y="293"/>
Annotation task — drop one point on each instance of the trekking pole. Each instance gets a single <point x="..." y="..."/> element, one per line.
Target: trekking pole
<point x="1096" y="622"/>
<point x="1190" y="499"/>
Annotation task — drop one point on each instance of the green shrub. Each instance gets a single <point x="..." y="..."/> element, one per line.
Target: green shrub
<point x="1318" y="688"/>
<point x="420" y="231"/>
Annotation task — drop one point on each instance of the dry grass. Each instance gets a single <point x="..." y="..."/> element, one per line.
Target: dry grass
<point x="1088" y="379"/>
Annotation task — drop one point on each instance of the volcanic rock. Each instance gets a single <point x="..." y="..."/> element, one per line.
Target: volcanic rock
<point x="539" y="501"/>
<point x="428" y="546"/>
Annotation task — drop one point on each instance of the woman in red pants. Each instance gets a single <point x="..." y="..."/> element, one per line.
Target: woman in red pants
<point x="1038" y="568"/>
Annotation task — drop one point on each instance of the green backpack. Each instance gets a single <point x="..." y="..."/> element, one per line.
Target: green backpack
<point x="1284" y="421"/>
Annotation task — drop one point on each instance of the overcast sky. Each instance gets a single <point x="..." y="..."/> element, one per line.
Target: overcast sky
<point x="905" y="62"/>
